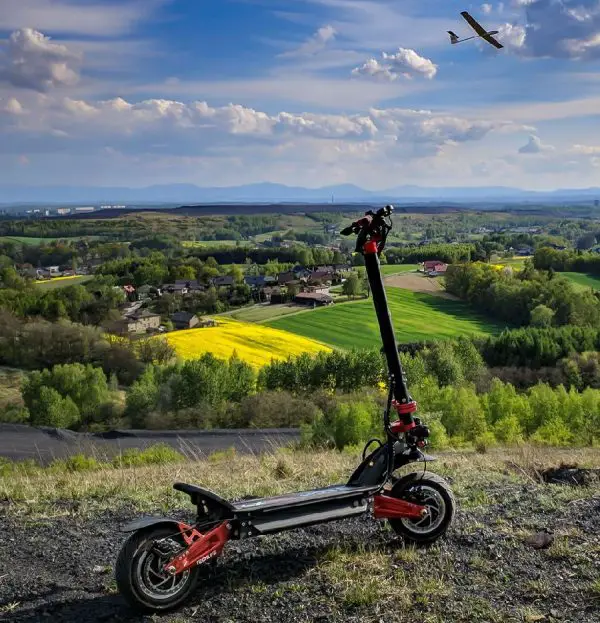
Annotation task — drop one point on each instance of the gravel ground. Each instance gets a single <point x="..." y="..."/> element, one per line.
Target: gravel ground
<point x="60" y="568"/>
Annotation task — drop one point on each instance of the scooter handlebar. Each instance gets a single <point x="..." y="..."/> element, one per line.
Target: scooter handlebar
<point x="366" y="224"/>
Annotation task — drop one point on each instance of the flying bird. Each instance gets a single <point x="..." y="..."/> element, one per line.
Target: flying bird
<point x="482" y="33"/>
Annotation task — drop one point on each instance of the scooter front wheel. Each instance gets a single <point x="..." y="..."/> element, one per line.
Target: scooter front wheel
<point x="140" y="574"/>
<point x="428" y="490"/>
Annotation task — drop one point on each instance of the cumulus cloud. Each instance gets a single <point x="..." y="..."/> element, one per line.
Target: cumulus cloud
<point x="585" y="150"/>
<point x="315" y="43"/>
<point x="535" y="146"/>
<point x="198" y="128"/>
<point x="404" y="63"/>
<point x="12" y="106"/>
<point x="547" y="28"/>
<point x="31" y="61"/>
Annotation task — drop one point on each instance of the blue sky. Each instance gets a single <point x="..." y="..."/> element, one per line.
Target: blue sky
<point x="303" y="92"/>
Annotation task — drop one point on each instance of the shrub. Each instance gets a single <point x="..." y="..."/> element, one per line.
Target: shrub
<point x="159" y="454"/>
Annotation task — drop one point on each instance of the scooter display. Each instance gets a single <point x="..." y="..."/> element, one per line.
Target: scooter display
<point x="158" y="565"/>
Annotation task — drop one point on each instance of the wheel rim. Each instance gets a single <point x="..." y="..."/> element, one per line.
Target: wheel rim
<point x="154" y="581"/>
<point x="434" y="502"/>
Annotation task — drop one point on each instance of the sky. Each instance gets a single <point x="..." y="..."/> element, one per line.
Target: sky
<point x="303" y="92"/>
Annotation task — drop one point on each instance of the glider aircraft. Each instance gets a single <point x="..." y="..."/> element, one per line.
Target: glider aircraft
<point x="482" y="33"/>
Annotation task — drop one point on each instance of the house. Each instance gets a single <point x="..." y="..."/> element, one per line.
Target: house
<point x="430" y="265"/>
<point x="313" y="298"/>
<point x="434" y="267"/>
<point x="270" y="280"/>
<point x="316" y="289"/>
<point x="192" y="285"/>
<point x="321" y="276"/>
<point x="439" y="269"/>
<point x="223" y="282"/>
<point x="139" y="321"/>
<point x="178" y="289"/>
<point x="525" y="251"/>
<point x="184" y="320"/>
<point x="255" y="281"/>
<point x="285" y="278"/>
<point x="300" y="272"/>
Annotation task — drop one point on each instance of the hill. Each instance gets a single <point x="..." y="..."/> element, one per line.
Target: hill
<point x="417" y="316"/>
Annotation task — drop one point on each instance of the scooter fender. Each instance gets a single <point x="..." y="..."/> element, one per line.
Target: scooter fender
<point x="416" y="456"/>
<point x="146" y="522"/>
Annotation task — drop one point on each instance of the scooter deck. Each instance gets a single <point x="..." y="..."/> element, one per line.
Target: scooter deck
<point x="302" y="498"/>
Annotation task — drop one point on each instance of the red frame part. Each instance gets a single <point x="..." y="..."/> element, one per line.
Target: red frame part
<point x="201" y="547"/>
<point x="387" y="507"/>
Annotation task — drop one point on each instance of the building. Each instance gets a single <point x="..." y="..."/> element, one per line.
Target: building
<point x="223" y="282"/>
<point x="313" y="298"/>
<point x="316" y="289"/>
<point x="142" y="321"/>
<point x="184" y="320"/>
<point x="285" y="278"/>
<point x="320" y="276"/>
<point x="434" y="267"/>
<point x="255" y="281"/>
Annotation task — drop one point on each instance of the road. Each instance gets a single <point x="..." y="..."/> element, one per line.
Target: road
<point x="19" y="442"/>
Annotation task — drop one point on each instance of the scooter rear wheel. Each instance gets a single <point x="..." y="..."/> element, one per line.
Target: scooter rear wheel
<point x="428" y="490"/>
<point x="140" y="576"/>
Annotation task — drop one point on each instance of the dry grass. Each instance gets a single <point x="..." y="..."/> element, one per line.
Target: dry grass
<point x="30" y="489"/>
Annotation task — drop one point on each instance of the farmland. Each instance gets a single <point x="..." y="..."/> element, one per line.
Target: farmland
<point x="255" y="344"/>
<point x="583" y="281"/>
<point x="417" y="316"/>
<point x="393" y="269"/>
<point x="61" y="282"/>
<point x="38" y="241"/>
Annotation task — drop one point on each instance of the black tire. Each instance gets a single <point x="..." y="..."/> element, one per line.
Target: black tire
<point x="432" y="491"/>
<point x="136" y="567"/>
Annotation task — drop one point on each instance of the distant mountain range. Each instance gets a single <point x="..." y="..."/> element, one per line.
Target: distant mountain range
<point x="177" y="194"/>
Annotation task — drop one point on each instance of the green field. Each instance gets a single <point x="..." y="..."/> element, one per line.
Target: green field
<point x="63" y="282"/>
<point x="394" y="269"/>
<point x="37" y="241"/>
<point x="195" y="244"/>
<point x="582" y="281"/>
<point x="261" y="313"/>
<point x="416" y="316"/>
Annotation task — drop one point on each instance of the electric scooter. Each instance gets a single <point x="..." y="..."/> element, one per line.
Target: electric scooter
<point x="158" y="566"/>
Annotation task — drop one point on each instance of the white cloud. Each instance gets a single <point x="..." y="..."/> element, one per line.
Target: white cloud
<point x="585" y="150"/>
<point x="406" y="63"/>
<point x="535" y="146"/>
<point x="197" y="128"/>
<point x="551" y="29"/>
<point x="486" y="9"/>
<point x="12" y="107"/>
<point x="93" y="17"/>
<point x="315" y="44"/>
<point x="32" y="61"/>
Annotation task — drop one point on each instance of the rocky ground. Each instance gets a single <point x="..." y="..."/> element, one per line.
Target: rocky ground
<point x="488" y="569"/>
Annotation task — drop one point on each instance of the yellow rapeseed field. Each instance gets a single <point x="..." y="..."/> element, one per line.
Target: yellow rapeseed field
<point x="253" y="343"/>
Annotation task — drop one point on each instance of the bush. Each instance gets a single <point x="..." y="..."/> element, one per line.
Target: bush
<point x="76" y="463"/>
<point x="348" y="422"/>
<point x="159" y="454"/>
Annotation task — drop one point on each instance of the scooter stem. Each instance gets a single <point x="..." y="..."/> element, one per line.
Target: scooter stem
<point x="387" y="331"/>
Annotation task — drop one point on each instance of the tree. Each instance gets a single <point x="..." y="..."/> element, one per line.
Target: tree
<point x="237" y="273"/>
<point x="542" y="316"/>
<point x="352" y="286"/>
<point x="50" y="409"/>
<point x="587" y="241"/>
